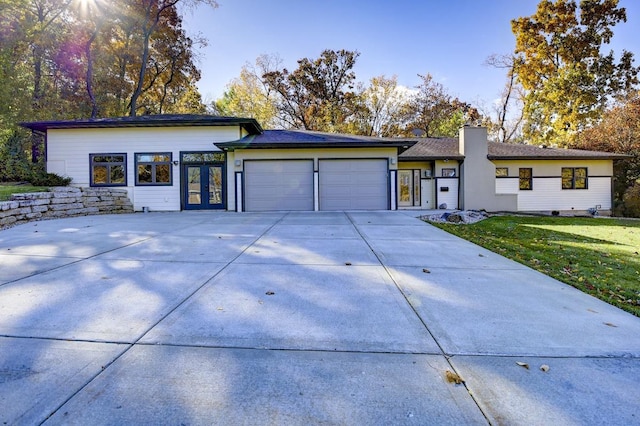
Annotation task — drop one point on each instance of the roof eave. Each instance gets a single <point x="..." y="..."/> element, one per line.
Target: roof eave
<point x="558" y="157"/>
<point x="231" y="146"/>
<point x="251" y="125"/>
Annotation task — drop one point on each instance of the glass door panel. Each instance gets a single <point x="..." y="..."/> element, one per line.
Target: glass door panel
<point x="215" y="184"/>
<point x="405" y="187"/>
<point x="194" y="183"/>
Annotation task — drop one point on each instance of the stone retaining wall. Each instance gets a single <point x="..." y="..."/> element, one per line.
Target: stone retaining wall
<point x="63" y="201"/>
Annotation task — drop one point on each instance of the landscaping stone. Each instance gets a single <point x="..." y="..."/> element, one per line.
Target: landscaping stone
<point x="62" y="202"/>
<point x="458" y="217"/>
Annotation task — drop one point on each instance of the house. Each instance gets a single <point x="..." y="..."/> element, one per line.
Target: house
<point x="183" y="162"/>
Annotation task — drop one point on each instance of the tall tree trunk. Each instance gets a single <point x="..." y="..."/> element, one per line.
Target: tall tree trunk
<point x="92" y="98"/>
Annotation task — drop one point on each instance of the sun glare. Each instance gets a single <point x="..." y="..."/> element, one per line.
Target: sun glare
<point x="86" y="7"/>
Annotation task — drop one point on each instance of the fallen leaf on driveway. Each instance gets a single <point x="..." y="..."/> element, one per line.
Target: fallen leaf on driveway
<point x="523" y="364"/>
<point x="270" y="293"/>
<point x="544" y="367"/>
<point x="609" y="324"/>
<point x="347" y="263"/>
<point x="453" y="377"/>
<point x="426" y="271"/>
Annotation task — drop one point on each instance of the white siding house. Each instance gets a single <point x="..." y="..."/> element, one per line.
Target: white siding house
<point x="181" y="162"/>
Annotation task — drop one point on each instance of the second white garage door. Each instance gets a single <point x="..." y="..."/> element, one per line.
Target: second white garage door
<point x="353" y="184"/>
<point x="278" y="185"/>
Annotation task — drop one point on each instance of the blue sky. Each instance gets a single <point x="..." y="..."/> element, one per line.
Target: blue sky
<point x="449" y="39"/>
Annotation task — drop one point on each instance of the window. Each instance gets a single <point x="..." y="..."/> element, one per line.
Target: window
<point x="448" y="172"/>
<point x="574" y="178"/>
<point x="108" y="169"/>
<point x="202" y="157"/>
<point x="526" y="179"/>
<point x="502" y="171"/>
<point x="153" y="169"/>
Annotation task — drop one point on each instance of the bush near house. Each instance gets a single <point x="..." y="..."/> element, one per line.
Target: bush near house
<point x="599" y="256"/>
<point x="631" y="201"/>
<point x="16" y="167"/>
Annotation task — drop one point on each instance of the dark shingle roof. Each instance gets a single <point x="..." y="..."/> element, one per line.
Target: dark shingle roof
<point x="447" y="148"/>
<point x="310" y="139"/>
<point x="505" y="151"/>
<point x="433" y="149"/>
<point x="160" y="120"/>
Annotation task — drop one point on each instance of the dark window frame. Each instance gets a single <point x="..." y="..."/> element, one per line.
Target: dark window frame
<point x="574" y="178"/>
<point x="108" y="165"/>
<point x="154" y="165"/>
<point x="526" y="180"/>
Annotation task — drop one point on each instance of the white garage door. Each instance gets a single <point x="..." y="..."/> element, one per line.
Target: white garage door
<point x="353" y="184"/>
<point x="278" y="185"/>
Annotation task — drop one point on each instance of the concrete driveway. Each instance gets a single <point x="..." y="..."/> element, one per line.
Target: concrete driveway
<point x="297" y="318"/>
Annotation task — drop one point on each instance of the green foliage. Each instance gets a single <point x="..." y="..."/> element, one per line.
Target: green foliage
<point x="319" y="94"/>
<point x="566" y="78"/>
<point x="618" y="132"/>
<point x="71" y="59"/>
<point x="596" y="255"/>
<point x="434" y="111"/>
<point x="631" y="201"/>
<point x="14" y="163"/>
<point x="6" y="191"/>
<point x="248" y="96"/>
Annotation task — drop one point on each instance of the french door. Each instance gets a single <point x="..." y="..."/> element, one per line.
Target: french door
<point x="203" y="187"/>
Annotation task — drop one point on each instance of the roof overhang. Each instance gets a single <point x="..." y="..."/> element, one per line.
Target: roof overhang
<point x="250" y="143"/>
<point x="605" y="156"/>
<point x="250" y="124"/>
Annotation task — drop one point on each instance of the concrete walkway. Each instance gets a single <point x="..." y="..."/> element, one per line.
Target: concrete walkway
<point x="297" y="319"/>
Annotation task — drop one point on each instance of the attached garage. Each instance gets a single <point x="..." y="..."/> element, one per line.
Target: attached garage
<point x="353" y="184"/>
<point x="278" y="185"/>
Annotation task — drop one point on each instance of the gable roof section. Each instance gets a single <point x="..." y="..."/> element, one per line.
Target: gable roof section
<point x="447" y="148"/>
<point x="270" y="139"/>
<point x="162" y="120"/>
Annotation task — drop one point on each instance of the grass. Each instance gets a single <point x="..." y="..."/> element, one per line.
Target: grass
<point x="7" y="189"/>
<point x="596" y="255"/>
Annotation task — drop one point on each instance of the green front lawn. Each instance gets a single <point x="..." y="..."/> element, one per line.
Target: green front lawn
<point x="7" y="189"/>
<point x="596" y="255"/>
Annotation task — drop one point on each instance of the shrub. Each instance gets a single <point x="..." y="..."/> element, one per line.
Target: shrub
<point x="40" y="178"/>
<point x="631" y="201"/>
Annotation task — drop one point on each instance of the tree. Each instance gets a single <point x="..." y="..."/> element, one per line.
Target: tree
<point x="319" y="94"/>
<point x="566" y="77"/>
<point x="506" y="124"/>
<point x="382" y="103"/>
<point x="249" y="96"/>
<point x="619" y="132"/>
<point x="150" y="14"/>
<point x="435" y="112"/>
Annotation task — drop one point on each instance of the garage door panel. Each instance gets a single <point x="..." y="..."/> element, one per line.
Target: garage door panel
<point x="278" y="185"/>
<point x="354" y="184"/>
